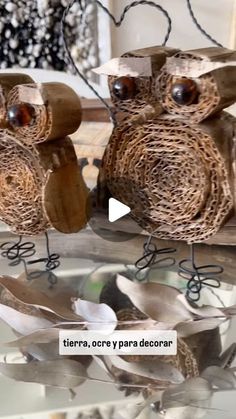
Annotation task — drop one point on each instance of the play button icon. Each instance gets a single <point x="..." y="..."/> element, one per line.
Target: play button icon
<point x="117" y="210"/>
<point x="110" y="218"/>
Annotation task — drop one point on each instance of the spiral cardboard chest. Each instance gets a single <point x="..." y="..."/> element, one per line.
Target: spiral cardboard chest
<point x="171" y="156"/>
<point x="40" y="181"/>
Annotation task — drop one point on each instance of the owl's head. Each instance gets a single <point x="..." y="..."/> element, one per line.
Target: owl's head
<point x="132" y="79"/>
<point x="197" y="84"/>
<point x="35" y="112"/>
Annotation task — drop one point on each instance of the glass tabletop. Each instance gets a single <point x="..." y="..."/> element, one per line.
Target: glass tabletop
<point x="81" y="277"/>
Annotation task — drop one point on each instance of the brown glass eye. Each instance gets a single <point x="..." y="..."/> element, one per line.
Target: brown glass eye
<point x="184" y="91"/>
<point x="124" y="88"/>
<point x="20" y="115"/>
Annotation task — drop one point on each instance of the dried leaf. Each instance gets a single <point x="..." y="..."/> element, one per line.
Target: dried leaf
<point x="133" y="410"/>
<point x="219" y="377"/>
<point x="101" y="316"/>
<point x="148" y="324"/>
<point x="29" y="296"/>
<point x="40" y="336"/>
<point x="204" y="311"/>
<point x="99" y="360"/>
<point x="44" y="352"/>
<point x="155" y="371"/>
<point x="192" y="392"/>
<point x="22" y="323"/>
<point x="61" y="294"/>
<point x="227" y="357"/>
<point x="157" y="301"/>
<point x="187" y="412"/>
<point x="230" y="311"/>
<point x="59" y="373"/>
<point x="186" y="329"/>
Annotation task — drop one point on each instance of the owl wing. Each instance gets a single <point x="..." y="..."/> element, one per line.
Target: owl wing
<point x="64" y="193"/>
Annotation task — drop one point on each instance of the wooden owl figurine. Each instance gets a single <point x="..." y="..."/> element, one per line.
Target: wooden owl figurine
<point x="171" y="156"/>
<point x="40" y="181"/>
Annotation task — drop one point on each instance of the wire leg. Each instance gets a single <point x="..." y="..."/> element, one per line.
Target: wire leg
<point x="198" y="276"/>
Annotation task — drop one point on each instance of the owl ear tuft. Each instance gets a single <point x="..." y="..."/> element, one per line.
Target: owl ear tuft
<point x="156" y="54"/>
<point x="196" y="63"/>
<point x="139" y="63"/>
<point x="126" y="66"/>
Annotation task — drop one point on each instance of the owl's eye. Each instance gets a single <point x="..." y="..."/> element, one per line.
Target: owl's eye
<point x="20" y="115"/>
<point x="184" y="91"/>
<point x="124" y="88"/>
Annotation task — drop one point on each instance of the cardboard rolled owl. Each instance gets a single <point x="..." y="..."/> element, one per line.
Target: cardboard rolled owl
<point x="40" y="181"/>
<point x="171" y="156"/>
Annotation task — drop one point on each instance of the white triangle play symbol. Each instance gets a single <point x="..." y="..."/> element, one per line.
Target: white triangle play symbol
<point x="117" y="210"/>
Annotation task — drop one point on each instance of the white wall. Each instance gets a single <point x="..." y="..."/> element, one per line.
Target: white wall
<point x="144" y="26"/>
